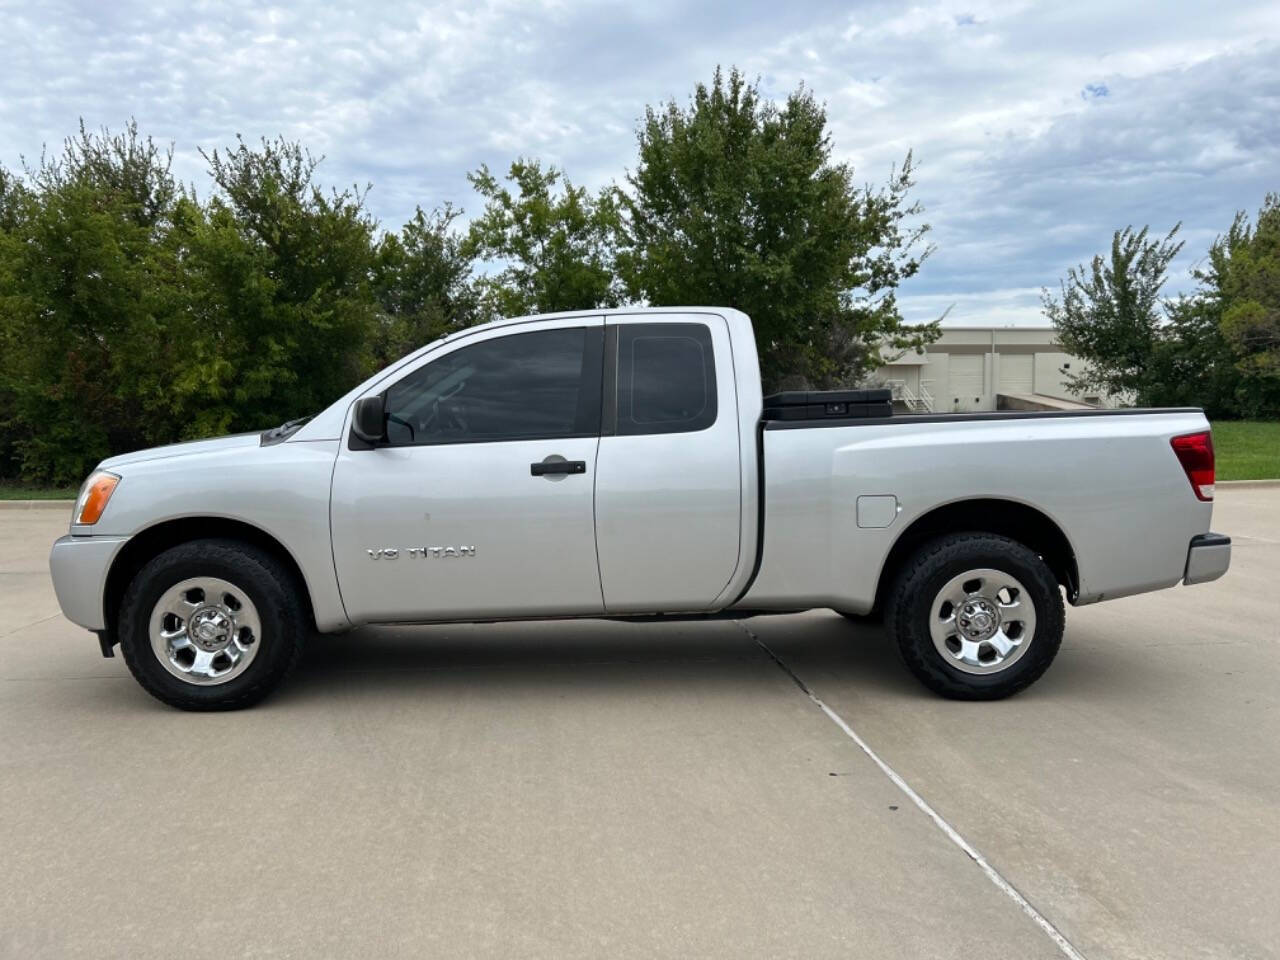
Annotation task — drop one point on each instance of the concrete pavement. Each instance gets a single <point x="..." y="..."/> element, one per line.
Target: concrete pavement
<point x="597" y="789"/>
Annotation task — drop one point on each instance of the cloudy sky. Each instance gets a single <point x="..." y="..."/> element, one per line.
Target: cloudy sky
<point x="1038" y="128"/>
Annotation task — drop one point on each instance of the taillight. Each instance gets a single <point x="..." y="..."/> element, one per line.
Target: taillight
<point x="1195" y="453"/>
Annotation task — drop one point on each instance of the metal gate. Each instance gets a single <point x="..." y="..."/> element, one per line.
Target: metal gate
<point x="1017" y="373"/>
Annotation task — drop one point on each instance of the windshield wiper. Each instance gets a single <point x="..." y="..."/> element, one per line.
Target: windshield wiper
<point x="286" y="429"/>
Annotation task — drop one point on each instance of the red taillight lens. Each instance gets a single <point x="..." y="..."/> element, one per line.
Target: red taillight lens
<point x="1195" y="453"/>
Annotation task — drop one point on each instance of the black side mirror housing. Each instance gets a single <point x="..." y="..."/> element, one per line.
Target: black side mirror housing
<point x="369" y="421"/>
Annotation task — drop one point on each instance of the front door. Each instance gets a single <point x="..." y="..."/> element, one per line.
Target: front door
<point x="479" y="502"/>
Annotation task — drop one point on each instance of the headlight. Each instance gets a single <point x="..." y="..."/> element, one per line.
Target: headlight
<point x="93" y="497"/>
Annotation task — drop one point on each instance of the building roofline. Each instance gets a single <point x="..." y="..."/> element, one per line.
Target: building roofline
<point x="1039" y="328"/>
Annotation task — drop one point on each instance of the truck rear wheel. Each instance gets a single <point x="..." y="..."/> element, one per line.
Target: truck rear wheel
<point x="976" y="616"/>
<point x="212" y="625"/>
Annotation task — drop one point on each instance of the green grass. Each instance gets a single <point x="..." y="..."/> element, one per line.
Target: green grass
<point x="1247" y="449"/>
<point x="17" y="492"/>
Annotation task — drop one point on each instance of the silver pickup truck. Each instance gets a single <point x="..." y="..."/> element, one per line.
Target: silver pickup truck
<point x="625" y="465"/>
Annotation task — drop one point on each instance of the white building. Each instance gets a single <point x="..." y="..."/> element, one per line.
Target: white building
<point x="984" y="368"/>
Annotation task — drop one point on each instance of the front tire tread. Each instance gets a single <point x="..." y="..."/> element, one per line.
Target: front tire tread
<point x="270" y="582"/>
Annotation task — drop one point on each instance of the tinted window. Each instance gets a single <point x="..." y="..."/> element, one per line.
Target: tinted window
<point x="525" y="386"/>
<point x="666" y="378"/>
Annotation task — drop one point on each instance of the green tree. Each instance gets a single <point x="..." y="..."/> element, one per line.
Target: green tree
<point x="1192" y="364"/>
<point x="553" y="240"/>
<point x="15" y="201"/>
<point x="423" y="283"/>
<point x="735" y="200"/>
<point x="1240" y="289"/>
<point x="1110" y="315"/>
<point x="277" y="299"/>
<point x="14" y="197"/>
<point x="80" y="296"/>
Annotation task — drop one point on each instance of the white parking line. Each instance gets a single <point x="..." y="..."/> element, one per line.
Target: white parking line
<point x="953" y="835"/>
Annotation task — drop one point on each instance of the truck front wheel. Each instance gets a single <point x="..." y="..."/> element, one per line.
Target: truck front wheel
<point x="976" y="616"/>
<point x="212" y="625"/>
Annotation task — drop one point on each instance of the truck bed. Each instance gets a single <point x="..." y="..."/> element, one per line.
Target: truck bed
<point x="845" y="489"/>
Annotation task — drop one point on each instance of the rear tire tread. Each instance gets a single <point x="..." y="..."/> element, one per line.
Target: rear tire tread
<point x="911" y="594"/>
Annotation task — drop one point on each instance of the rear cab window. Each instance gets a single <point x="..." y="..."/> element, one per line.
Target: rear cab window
<point x="665" y="379"/>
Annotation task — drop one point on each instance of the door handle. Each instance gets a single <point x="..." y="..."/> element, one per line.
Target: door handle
<point x="551" y="467"/>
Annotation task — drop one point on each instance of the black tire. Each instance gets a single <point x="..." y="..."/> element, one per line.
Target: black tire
<point x="925" y="574"/>
<point x="269" y="585"/>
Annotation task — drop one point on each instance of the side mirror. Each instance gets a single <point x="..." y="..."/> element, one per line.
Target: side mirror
<point x="369" y="421"/>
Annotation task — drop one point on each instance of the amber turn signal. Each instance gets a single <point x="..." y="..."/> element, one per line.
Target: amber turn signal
<point x="94" y="495"/>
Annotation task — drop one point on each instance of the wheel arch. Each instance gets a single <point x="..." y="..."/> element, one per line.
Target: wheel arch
<point x="154" y="540"/>
<point x="1014" y="519"/>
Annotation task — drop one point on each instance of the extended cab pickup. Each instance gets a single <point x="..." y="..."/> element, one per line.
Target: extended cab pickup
<point x="624" y="464"/>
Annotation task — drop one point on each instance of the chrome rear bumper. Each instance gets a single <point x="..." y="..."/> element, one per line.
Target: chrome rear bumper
<point x="1208" y="557"/>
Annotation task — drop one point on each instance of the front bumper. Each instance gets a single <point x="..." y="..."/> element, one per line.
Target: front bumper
<point x="79" y="566"/>
<point x="1208" y="557"/>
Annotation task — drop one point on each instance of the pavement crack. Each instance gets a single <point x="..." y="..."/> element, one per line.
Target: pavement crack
<point x="1008" y="889"/>
<point x="9" y="633"/>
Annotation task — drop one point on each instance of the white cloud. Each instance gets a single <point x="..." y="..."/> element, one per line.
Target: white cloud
<point x="1025" y="165"/>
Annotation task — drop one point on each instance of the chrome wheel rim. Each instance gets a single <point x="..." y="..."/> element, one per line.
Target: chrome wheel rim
<point x="982" y="621"/>
<point x="205" y="630"/>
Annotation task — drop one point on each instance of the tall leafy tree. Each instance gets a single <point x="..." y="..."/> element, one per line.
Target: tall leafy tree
<point x="133" y="312"/>
<point x="736" y="200"/>
<point x="14" y="196"/>
<point x="1110" y="314"/>
<point x="552" y="241"/>
<point x="278" y="297"/>
<point x="1240" y="288"/>
<point x="15" y="201"/>
<point x="1192" y="364"/>
<point x="81" y="294"/>
<point x="424" y="284"/>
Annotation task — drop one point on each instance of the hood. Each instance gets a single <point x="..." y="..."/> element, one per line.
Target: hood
<point x="214" y="445"/>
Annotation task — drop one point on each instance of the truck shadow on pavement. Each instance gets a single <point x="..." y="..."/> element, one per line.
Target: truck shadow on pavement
<point x="588" y="654"/>
<point x="627" y="659"/>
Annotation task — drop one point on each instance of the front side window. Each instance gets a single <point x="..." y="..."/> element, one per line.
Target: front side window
<point x="526" y="386"/>
<point x="666" y="378"/>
